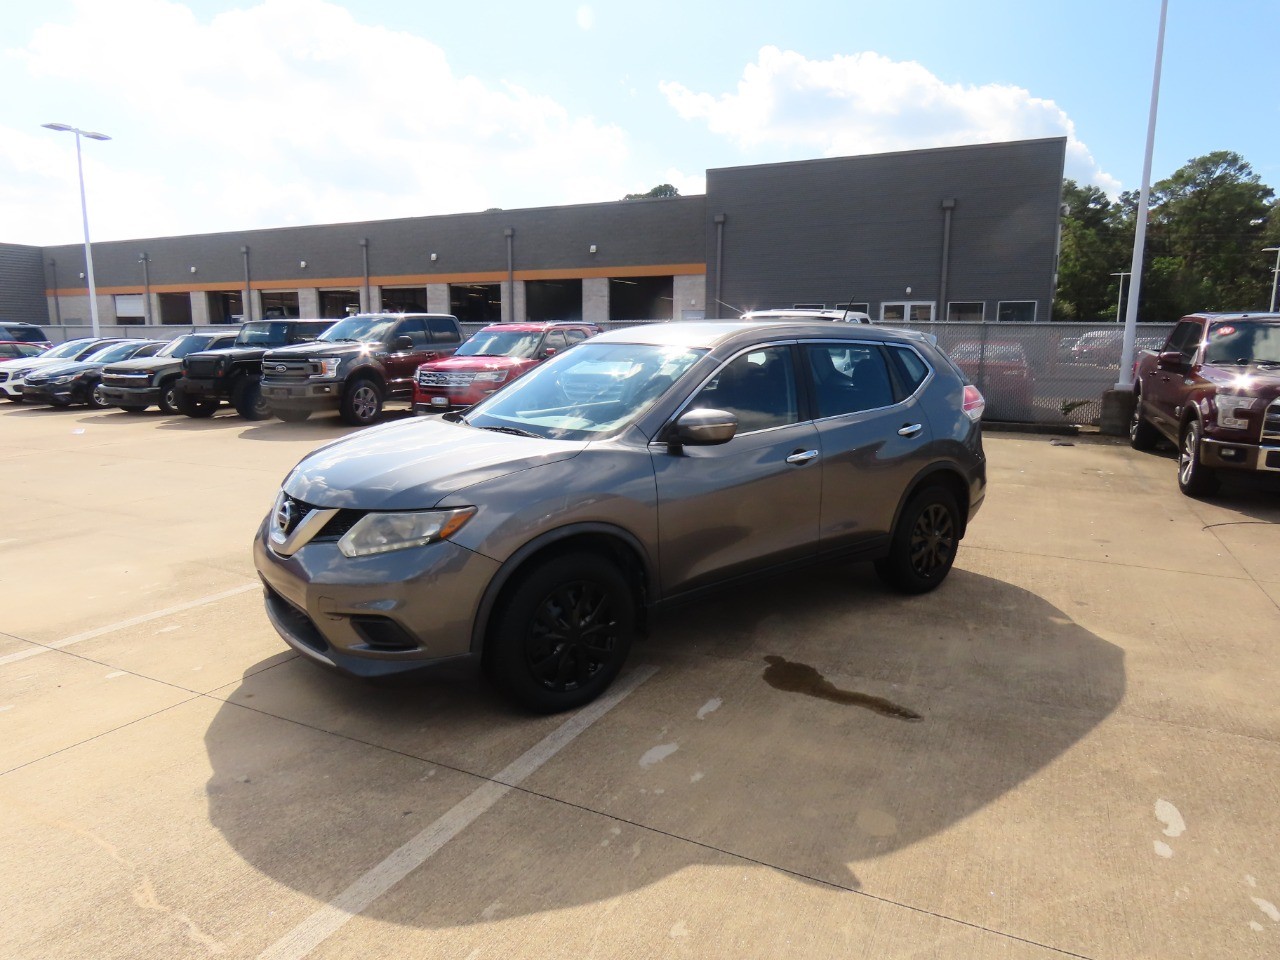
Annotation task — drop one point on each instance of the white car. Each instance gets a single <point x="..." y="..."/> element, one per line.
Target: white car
<point x="806" y="315"/>
<point x="13" y="373"/>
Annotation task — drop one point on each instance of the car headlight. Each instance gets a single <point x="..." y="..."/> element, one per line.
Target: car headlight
<point x="328" y="368"/>
<point x="1233" y="411"/>
<point x="384" y="532"/>
<point x="65" y="378"/>
<point x="491" y="376"/>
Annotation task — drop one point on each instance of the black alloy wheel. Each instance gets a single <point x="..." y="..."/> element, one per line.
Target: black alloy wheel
<point x="565" y="633"/>
<point x="1194" y="478"/>
<point x="924" y="543"/>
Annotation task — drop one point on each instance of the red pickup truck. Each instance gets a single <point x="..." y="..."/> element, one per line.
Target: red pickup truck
<point x="1214" y="390"/>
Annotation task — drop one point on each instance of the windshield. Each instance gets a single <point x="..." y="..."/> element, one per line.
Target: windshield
<point x="586" y="393"/>
<point x="68" y="349"/>
<point x="11" y="350"/>
<point x="358" y="328"/>
<point x="263" y="333"/>
<point x="1243" y="342"/>
<point x="117" y="351"/>
<point x="500" y="343"/>
<point x="189" y="343"/>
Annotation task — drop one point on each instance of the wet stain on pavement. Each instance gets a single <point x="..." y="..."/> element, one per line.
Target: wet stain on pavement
<point x="784" y="674"/>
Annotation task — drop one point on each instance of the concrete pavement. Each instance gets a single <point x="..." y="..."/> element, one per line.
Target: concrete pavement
<point x="1092" y="774"/>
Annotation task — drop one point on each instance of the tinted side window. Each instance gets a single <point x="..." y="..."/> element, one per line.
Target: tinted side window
<point x="555" y="340"/>
<point x="759" y="388"/>
<point x="912" y="370"/>
<point x="443" y="331"/>
<point x="1185" y="338"/>
<point x="415" y="330"/>
<point x="575" y="335"/>
<point x="849" y="378"/>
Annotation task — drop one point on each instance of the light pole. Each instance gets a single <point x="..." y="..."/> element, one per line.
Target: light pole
<point x="1120" y="293"/>
<point x="1275" y="274"/>
<point x="84" y="211"/>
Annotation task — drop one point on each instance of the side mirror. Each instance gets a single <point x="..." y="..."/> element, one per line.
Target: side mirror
<point x="402" y="343"/>
<point x="1171" y="360"/>
<point x="548" y="352"/>
<point x="704" y="428"/>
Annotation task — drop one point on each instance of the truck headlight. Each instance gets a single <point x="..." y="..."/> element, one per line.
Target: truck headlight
<point x="1233" y="411"/>
<point x="384" y="532"/>
<point x="328" y="368"/>
<point x="491" y="376"/>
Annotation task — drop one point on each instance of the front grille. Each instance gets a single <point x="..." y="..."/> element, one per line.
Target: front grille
<point x="1271" y="423"/>
<point x="284" y="370"/>
<point x="437" y="378"/>
<point x="202" y="368"/>
<point x="113" y="378"/>
<point x="338" y="524"/>
<point x="294" y="622"/>
<point x="4" y="376"/>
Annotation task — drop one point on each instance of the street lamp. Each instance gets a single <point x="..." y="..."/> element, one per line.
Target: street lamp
<point x="1275" y="273"/>
<point x="84" y="211"/>
<point x="1120" y="293"/>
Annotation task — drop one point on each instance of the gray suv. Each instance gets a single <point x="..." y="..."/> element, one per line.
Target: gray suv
<point x="533" y="531"/>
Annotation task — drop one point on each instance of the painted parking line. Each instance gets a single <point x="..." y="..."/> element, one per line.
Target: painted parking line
<point x="126" y="624"/>
<point x="326" y="921"/>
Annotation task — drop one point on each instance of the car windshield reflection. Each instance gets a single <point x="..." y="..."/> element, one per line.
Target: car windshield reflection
<point x="587" y="393"/>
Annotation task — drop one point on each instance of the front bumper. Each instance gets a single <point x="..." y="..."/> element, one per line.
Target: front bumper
<point x="61" y="393"/>
<point x="12" y="387"/>
<point x="203" y="388"/>
<point x="374" y="616"/>
<point x="320" y="395"/>
<point x="1226" y="455"/>
<point x="130" y="396"/>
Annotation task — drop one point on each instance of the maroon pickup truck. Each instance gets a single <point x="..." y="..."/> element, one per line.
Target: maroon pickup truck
<point x="1214" y="390"/>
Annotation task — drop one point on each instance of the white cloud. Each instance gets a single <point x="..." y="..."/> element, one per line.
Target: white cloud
<point x="867" y="103"/>
<point x="288" y="111"/>
<point x="586" y="17"/>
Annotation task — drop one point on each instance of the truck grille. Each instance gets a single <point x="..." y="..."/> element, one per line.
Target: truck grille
<point x="112" y="378"/>
<point x="287" y="370"/>
<point x="436" y="378"/>
<point x="1271" y="423"/>
<point x="202" y="368"/>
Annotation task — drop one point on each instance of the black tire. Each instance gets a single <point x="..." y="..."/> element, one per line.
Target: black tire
<point x="197" y="407"/>
<point x="292" y="415"/>
<point x="168" y="402"/>
<point x="132" y="408"/>
<point x="96" y="400"/>
<point x="361" y="402"/>
<point x="246" y="397"/>
<point x="924" y="543"/>
<point x="59" y="402"/>
<point x="18" y="399"/>
<point x="540" y="650"/>
<point x="1142" y="435"/>
<point x="1194" y="478"/>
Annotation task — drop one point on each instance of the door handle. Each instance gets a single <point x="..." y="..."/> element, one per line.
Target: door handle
<point x="801" y="457"/>
<point x="910" y="429"/>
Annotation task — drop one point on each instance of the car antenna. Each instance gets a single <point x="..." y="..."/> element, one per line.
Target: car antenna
<point x="731" y="307"/>
<point x="847" y="304"/>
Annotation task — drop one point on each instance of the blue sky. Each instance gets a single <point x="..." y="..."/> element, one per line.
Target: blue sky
<point x="229" y="114"/>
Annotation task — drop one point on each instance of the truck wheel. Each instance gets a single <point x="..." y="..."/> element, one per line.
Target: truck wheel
<point x="1142" y="435"/>
<point x="246" y="397"/>
<point x="292" y="416"/>
<point x="198" y="407"/>
<point x="1194" y="478"/>
<point x="132" y="408"/>
<point x="168" y="402"/>
<point x="564" y="634"/>
<point x="97" y="400"/>
<point x="924" y="543"/>
<point x="362" y="403"/>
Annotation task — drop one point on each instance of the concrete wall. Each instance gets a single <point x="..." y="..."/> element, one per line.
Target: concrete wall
<point x="595" y="300"/>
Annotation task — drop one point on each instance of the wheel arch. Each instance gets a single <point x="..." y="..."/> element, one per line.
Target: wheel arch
<point x="606" y="540"/>
<point x="943" y="475"/>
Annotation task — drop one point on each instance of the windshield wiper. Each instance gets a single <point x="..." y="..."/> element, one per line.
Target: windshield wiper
<point x="513" y="431"/>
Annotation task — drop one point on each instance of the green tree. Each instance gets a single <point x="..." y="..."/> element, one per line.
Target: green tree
<point x="661" y="190"/>
<point x="1092" y="246"/>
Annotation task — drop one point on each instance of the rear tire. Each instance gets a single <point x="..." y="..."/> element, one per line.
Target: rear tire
<point x="1194" y="478"/>
<point x="198" y="407"/>
<point x="564" y="633"/>
<point x="924" y="543"/>
<point x="246" y="397"/>
<point x="292" y="416"/>
<point x="1142" y="435"/>
<point x="361" y="402"/>
<point x="168" y="402"/>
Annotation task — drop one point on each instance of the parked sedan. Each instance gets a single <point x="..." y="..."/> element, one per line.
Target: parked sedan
<point x="20" y="350"/>
<point x="644" y="466"/>
<point x="1002" y="372"/>
<point x="80" y="381"/>
<point x="13" y="373"/>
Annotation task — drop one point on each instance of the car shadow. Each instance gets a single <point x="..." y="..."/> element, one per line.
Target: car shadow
<point x="992" y="682"/>
<point x="1251" y="493"/>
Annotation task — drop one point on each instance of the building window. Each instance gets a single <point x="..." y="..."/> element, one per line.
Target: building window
<point x="404" y="299"/>
<point x="966" y="311"/>
<point x="129" y="308"/>
<point x="1016" y="311"/>
<point x="907" y="311"/>
<point x="553" y="300"/>
<point x="175" y="308"/>
<point x="280" y="305"/>
<point x="226" y="308"/>
<point x="855" y="307"/>
<point x="641" y="298"/>
<point x="476" y="302"/>
<point x="336" y="304"/>
<point x="808" y="306"/>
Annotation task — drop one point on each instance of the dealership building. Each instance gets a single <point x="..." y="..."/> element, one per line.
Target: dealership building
<point x="957" y="233"/>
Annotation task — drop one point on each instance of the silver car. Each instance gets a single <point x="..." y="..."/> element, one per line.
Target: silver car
<point x="533" y="531"/>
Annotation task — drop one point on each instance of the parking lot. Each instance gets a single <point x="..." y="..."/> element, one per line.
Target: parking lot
<point x="1070" y="749"/>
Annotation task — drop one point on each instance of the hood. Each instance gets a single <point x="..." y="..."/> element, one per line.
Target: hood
<point x="65" y="367"/>
<point x="33" y="363"/>
<point x="412" y="464"/>
<point x="234" y="353"/>
<point x="1246" y="381"/>
<point x="144" y="363"/>
<point x="473" y="363"/>
<point x="321" y="348"/>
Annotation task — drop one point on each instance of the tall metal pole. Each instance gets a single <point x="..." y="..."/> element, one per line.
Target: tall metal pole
<point x="1275" y="274"/>
<point x="1140" y="232"/>
<point x="57" y="308"/>
<point x="88" y="248"/>
<point x="1120" y="293"/>
<point x="146" y="288"/>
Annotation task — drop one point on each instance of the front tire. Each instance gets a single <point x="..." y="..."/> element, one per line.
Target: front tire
<point x="197" y="407"/>
<point x="292" y="415"/>
<point x="1194" y="478"/>
<point x="168" y="402"/>
<point x="361" y="403"/>
<point x="564" y="634"/>
<point x="246" y="397"/>
<point x="96" y="400"/>
<point x="132" y="408"/>
<point x="1142" y="435"/>
<point x="924" y="543"/>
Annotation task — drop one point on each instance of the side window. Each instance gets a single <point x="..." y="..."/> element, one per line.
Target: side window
<point x="849" y="378"/>
<point x="555" y="340"/>
<point x="912" y="370"/>
<point x="1185" y="338"/>
<point x="443" y="331"/>
<point x="574" y="334"/>
<point x="759" y="388"/>
<point x="415" y="330"/>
